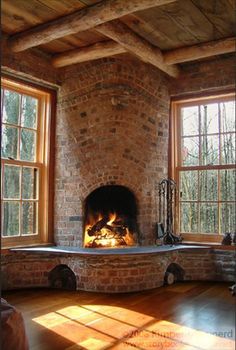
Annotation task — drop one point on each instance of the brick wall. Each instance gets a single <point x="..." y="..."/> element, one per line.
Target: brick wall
<point x="208" y="76"/>
<point x="30" y="64"/>
<point x="117" y="273"/>
<point x="112" y="128"/>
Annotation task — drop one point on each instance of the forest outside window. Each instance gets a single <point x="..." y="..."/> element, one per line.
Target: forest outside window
<point x="203" y="165"/>
<point x="25" y="153"/>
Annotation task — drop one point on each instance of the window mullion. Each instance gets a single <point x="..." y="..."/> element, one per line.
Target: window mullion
<point x="20" y="214"/>
<point x="220" y="138"/>
<point x="219" y="202"/>
<point x="220" y="162"/>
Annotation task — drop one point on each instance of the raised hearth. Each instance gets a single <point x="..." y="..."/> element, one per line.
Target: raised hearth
<point x="114" y="270"/>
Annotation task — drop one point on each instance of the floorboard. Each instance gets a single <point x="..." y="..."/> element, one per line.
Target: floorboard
<point x="184" y="316"/>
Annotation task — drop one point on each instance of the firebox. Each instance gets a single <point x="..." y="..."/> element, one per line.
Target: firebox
<point x="110" y="218"/>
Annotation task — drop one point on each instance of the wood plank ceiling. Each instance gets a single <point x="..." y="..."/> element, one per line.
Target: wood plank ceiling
<point x="160" y="32"/>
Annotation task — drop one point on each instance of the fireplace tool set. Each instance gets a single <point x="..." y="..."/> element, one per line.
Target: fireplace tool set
<point x="167" y="198"/>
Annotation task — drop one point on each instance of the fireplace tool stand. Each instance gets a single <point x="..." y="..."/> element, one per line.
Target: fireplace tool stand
<point x="167" y="199"/>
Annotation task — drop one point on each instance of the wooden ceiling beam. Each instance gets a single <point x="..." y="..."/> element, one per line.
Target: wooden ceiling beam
<point x="88" y="53"/>
<point x="136" y="45"/>
<point x="195" y="52"/>
<point x="81" y="20"/>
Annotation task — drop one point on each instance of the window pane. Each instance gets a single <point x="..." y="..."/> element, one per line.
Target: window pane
<point x="227" y="116"/>
<point x="11" y="219"/>
<point x="209" y="119"/>
<point x="208" y="218"/>
<point x="190" y="122"/>
<point x="210" y="150"/>
<point x="11" y="182"/>
<point x="227" y="217"/>
<point x="29" y="112"/>
<point x="190" y="151"/>
<point x="189" y="185"/>
<point x="208" y="185"/>
<point x="9" y="142"/>
<point x="29" y="183"/>
<point x="11" y="104"/>
<point x="228" y="185"/>
<point x="228" y="148"/>
<point x="27" y="145"/>
<point x="189" y="215"/>
<point x="29" y="218"/>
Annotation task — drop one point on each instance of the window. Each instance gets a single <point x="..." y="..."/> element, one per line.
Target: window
<point x="25" y="173"/>
<point x="203" y="165"/>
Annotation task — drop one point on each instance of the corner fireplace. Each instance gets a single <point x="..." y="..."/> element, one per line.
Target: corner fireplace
<point x="110" y="218"/>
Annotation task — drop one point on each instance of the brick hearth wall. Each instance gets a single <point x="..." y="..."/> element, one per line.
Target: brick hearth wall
<point x="117" y="273"/>
<point x="112" y="128"/>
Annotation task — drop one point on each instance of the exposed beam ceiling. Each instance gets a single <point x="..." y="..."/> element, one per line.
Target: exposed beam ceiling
<point x="88" y="53"/>
<point x="110" y="48"/>
<point x="195" y="52"/>
<point x="134" y="44"/>
<point x="104" y="18"/>
<point x="79" y="21"/>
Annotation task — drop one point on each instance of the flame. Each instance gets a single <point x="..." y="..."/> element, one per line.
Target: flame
<point x="106" y="237"/>
<point x="112" y="218"/>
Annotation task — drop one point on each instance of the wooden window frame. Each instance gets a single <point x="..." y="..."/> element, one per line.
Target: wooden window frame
<point x="175" y="166"/>
<point x="44" y="160"/>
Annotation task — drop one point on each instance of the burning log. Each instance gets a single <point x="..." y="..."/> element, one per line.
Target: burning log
<point x="97" y="226"/>
<point x="118" y="230"/>
<point x="116" y="227"/>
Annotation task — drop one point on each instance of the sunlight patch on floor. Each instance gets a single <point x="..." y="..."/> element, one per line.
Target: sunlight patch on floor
<point x="121" y="328"/>
<point x="90" y="344"/>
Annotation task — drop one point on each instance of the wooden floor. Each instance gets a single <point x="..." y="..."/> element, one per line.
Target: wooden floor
<point x="186" y="316"/>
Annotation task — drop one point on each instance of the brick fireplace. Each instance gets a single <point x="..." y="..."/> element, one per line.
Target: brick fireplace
<point x="110" y="218"/>
<point x="112" y="130"/>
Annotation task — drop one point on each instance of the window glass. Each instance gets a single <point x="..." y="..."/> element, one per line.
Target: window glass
<point x="189" y="217"/>
<point x="208" y="180"/>
<point x="29" y="183"/>
<point x="27" y="145"/>
<point x="189" y="185"/>
<point x="228" y="184"/>
<point x="209" y="119"/>
<point x="190" y="151"/>
<point x="11" y="107"/>
<point x="190" y="121"/>
<point x="209" y="149"/>
<point x="208" y="218"/>
<point x="29" y="112"/>
<point x="11" y="214"/>
<point x="206" y="167"/>
<point x="227" y="113"/>
<point x="11" y="187"/>
<point x="9" y="142"/>
<point x="228" y="148"/>
<point x="29" y="218"/>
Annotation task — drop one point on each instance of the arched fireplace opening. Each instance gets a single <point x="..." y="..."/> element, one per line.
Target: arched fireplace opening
<point x="110" y="218"/>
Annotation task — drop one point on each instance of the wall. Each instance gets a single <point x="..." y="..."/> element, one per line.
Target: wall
<point x="30" y="64"/>
<point x="208" y="76"/>
<point x="112" y="128"/>
<point x="117" y="272"/>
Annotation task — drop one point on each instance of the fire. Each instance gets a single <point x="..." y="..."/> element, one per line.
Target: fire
<point x="107" y="231"/>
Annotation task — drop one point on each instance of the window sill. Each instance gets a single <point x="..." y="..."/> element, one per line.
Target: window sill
<point x="211" y="244"/>
<point x="5" y="250"/>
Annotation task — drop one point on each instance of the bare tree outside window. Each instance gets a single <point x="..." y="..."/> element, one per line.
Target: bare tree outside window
<point x="206" y="169"/>
<point x="20" y="182"/>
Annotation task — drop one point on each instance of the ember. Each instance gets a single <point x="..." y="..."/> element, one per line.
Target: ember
<point x="107" y="231"/>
